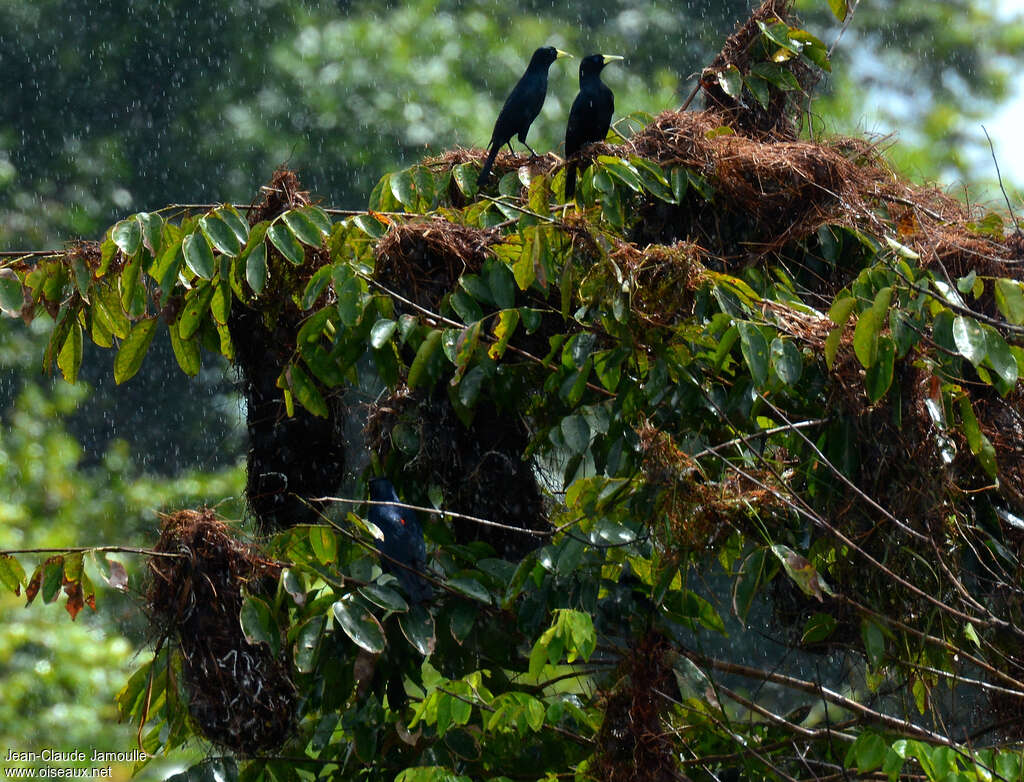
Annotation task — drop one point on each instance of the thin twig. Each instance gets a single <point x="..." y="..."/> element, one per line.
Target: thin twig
<point x="999" y="176"/>
<point x="88" y="549"/>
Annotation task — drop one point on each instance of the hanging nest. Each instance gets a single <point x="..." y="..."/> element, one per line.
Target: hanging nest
<point x="291" y="458"/>
<point x="480" y="468"/>
<point x="240" y="696"/>
<point x="632" y="745"/>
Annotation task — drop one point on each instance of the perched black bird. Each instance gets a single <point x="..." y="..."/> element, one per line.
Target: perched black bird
<point x="403" y="539"/>
<point x="521" y="106"/>
<point x="590" y="115"/>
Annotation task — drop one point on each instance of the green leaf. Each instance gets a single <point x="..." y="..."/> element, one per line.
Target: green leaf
<point x="999" y="356"/>
<point x="841" y="308"/>
<point x="198" y="255"/>
<point x="755" y="351"/>
<point x="284" y="240"/>
<point x="303" y="227"/>
<point x="133" y="350"/>
<point x="1010" y="300"/>
<point x="403" y="189"/>
<point x="385" y="597"/>
<point x="505" y="327"/>
<point x="220" y="234"/>
<point x="381" y="332"/>
<point x="186" y="352"/>
<point x="969" y="339"/>
<point x="168" y="266"/>
<point x="12" y="575"/>
<point x="867" y="753"/>
<point x="417" y="371"/>
<point x="12" y="295"/>
<point x="319" y="218"/>
<point x="220" y="302"/>
<point x="235" y="222"/>
<point x="197" y="304"/>
<point x="258" y="624"/>
<point x="70" y="357"/>
<point x="979" y="444"/>
<point x="127" y="235"/>
<point x="307" y="641"/>
<point x="359" y="624"/>
<point x="879" y="375"/>
<point x="865" y="337"/>
<point x="256" y="268"/>
<point x="370" y="226"/>
<point x="840" y="8"/>
<point x="471" y="588"/>
<point x="305" y="390"/>
<point x="466" y="175"/>
<point x="417" y="626"/>
<point x="324" y="543"/>
<point x="576" y="433"/>
<point x="731" y="81"/>
<point x="818" y="628"/>
<point x="786" y="360"/>
<point x="315" y="287"/>
<point x="152" y="229"/>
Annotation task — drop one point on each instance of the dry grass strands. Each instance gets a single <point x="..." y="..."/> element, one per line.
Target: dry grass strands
<point x="424" y="259"/>
<point x="664" y="279"/>
<point x="691" y="513"/>
<point x="240" y="696"/>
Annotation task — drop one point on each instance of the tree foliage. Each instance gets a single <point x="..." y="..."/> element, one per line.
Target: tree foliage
<point x="767" y="395"/>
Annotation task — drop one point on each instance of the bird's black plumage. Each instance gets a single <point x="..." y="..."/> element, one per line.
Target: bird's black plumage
<point x="521" y="106"/>
<point x="403" y="539"/>
<point x="590" y="115"/>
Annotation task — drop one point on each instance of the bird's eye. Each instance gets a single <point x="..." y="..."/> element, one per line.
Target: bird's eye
<point x="402" y="519"/>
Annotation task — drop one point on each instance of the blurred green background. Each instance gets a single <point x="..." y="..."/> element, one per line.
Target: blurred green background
<point x="111" y="107"/>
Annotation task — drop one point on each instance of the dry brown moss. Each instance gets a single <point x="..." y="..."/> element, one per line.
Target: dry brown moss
<point x="240" y="695"/>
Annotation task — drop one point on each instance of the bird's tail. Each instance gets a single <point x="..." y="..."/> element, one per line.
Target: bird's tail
<point x="485" y="172"/>
<point x="570" y="180"/>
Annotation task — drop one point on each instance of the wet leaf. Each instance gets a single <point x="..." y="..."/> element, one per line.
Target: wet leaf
<point x="418" y="628"/>
<point x="127" y="235"/>
<point x="969" y="339"/>
<point x="70" y="357"/>
<point x="303" y="227"/>
<point x="198" y="255"/>
<point x="133" y="350"/>
<point x="359" y="624"/>
<point x="258" y="624"/>
<point x="220" y="234"/>
<point x="755" y="351"/>
<point x="256" y="268"/>
<point x="284" y="240"/>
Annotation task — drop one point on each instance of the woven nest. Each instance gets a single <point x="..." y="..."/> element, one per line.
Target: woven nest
<point x="240" y="695"/>
<point x="632" y="745"/>
<point x="480" y="468"/>
<point x="424" y="259"/>
<point x="291" y="458"/>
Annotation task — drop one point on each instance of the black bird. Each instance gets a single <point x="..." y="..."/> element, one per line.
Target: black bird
<point x="521" y="107"/>
<point x="590" y="115"/>
<point x="403" y="539"/>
